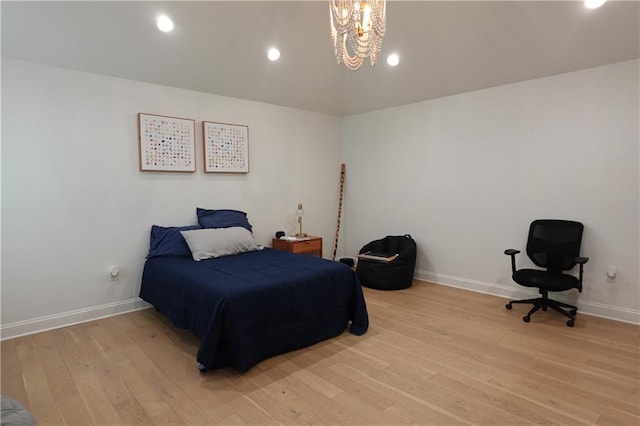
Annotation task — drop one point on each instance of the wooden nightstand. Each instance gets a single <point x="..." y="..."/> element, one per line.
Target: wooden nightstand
<point x="311" y="245"/>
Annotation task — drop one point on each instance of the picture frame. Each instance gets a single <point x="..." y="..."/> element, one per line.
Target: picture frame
<point x="166" y="144"/>
<point x="225" y="147"/>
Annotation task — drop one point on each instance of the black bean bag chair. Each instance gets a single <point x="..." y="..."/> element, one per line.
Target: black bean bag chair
<point x="388" y="263"/>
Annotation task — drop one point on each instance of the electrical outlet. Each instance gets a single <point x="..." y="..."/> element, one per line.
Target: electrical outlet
<point x="114" y="273"/>
<point x="612" y="271"/>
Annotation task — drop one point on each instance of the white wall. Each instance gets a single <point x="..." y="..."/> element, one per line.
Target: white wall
<point x="74" y="201"/>
<point x="465" y="175"/>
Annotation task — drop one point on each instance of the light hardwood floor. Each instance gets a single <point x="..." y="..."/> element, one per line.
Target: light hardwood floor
<point x="433" y="355"/>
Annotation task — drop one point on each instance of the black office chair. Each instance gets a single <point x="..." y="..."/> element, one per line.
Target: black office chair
<point x="555" y="246"/>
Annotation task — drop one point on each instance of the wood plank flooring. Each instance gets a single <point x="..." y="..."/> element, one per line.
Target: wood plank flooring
<point x="433" y="355"/>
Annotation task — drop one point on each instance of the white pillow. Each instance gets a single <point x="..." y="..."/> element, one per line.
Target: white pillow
<point x="218" y="242"/>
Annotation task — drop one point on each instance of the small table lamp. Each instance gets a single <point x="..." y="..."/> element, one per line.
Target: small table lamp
<point x="300" y="215"/>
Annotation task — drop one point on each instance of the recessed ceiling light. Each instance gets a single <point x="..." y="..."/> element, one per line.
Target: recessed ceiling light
<point x="164" y="23"/>
<point x="594" y="4"/>
<point x="393" y="59"/>
<point x="273" y="54"/>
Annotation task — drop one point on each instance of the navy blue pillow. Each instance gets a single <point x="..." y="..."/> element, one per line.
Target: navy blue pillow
<point x="222" y="218"/>
<point x="167" y="241"/>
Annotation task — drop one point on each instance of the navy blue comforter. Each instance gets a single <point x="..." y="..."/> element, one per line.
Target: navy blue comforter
<point x="248" y="307"/>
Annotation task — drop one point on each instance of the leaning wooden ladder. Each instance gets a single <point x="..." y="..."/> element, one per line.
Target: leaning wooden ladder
<point x="335" y="244"/>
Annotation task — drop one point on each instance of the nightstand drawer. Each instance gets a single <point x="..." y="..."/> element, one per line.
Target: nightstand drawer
<point x="306" y="246"/>
<point x="313" y="245"/>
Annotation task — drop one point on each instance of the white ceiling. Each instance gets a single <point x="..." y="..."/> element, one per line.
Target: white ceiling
<point x="219" y="47"/>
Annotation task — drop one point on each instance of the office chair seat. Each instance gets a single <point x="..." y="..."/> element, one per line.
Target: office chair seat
<point x="545" y="280"/>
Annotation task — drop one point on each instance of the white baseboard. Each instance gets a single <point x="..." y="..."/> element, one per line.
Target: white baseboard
<point x="21" y="328"/>
<point x="508" y="292"/>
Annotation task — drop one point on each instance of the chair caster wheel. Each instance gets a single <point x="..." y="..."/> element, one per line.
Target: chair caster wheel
<point x="526" y="319"/>
<point x="573" y="312"/>
<point x="570" y="323"/>
<point x="508" y="306"/>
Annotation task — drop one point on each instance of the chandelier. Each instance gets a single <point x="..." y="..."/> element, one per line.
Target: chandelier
<point x="357" y="28"/>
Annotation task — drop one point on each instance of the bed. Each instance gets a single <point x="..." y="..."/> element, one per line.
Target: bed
<point x="251" y="306"/>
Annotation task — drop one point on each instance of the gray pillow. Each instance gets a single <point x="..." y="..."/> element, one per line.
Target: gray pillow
<point x="218" y="242"/>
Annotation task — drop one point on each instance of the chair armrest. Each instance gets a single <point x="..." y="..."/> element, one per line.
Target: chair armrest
<point x="581" y="261"/>
<point x="512" y="253"/>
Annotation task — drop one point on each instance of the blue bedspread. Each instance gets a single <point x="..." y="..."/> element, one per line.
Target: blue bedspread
<point x="248" y="307"/>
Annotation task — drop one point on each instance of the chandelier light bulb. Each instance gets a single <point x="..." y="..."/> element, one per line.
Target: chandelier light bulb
<point x="164" y="23"/>
<point x="366" y="18"/>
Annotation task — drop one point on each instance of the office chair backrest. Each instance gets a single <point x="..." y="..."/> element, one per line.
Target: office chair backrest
<point x="554" y="244"/>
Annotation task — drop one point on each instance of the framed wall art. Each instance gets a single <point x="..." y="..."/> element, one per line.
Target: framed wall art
<point x="226" y="147"/>
<point x="166" y="144"/>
